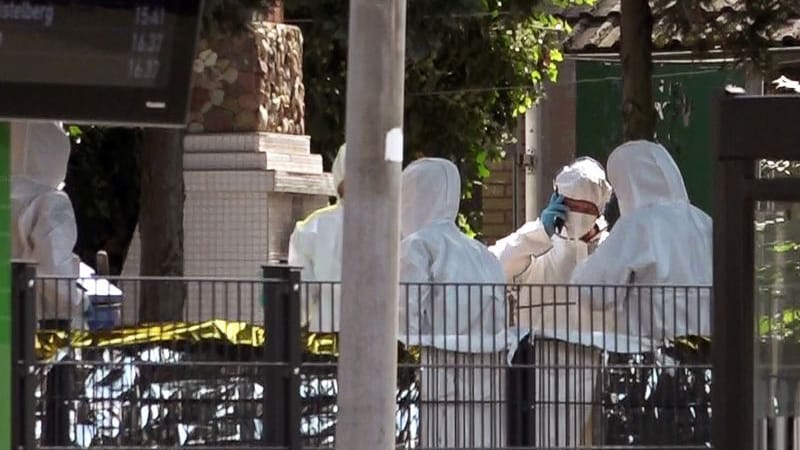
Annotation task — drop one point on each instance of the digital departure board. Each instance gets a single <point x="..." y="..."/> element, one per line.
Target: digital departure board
<point x="100" y="61"/>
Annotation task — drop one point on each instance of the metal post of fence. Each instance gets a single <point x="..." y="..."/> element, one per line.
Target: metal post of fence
<point x="283" y="355"/>
<point x="58" y="393"/>
<point x="295" y="350"/>
<point x="521" y="394"/>
<point x="23" y="327"/>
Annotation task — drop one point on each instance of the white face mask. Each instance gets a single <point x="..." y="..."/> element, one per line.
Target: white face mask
<point x="578" y="224"/>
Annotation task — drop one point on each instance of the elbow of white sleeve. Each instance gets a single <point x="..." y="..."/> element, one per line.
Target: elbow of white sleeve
<point x="515" y="250"/>
<point x="533" y="238"/>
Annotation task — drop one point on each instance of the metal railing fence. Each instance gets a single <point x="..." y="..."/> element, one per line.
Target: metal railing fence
<point x="251" y="364"/>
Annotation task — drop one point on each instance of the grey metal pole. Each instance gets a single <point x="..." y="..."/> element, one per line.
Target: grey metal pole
<point x="533" y="151"/>
<point x="368" y="346"/>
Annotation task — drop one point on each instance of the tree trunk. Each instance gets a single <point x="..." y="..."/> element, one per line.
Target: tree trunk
<point x="161" y="225"/>
<point x="638" y="110"/>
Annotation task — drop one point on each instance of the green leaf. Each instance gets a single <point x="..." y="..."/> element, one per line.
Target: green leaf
<point x="785" y="247"/>
<point x="464" y="226"/>
<point x="472" y="68"/>
<point x="74" y="131"/>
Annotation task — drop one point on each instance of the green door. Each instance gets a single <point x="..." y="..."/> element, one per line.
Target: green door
<point x="683" y="94"/>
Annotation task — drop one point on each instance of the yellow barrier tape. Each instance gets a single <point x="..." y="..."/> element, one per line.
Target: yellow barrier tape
<point x="49" y="342"/>
<point x="692" y="342"/>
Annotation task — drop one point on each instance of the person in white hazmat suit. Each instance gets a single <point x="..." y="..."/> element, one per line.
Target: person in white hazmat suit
<point x="660" y="239"/>
<point x="316" y="246"/>
<point x="43" y="228"/>
<point x="542" y="260"/>
<point x="462" y="328"/>
<point x="538" y="253"/>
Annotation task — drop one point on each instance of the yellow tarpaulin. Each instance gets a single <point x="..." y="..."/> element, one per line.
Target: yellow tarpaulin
<point x="48" y="342"/>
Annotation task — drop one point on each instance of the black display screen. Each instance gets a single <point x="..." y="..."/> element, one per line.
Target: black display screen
<point x="129" y="60"/>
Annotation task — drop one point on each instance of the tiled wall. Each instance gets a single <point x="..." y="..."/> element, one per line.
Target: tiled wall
<point x="5" y="288"/>
<point x="238" y="217"/>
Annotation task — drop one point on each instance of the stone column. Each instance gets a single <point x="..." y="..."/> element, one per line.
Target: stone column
<point x="252" y="82"/>
<point x="248" y="168"/>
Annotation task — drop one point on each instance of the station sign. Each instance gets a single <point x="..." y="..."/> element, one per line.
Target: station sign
<point x="98" y="61"/>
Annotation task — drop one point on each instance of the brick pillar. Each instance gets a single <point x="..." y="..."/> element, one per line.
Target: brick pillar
<point x="498" y="199"/>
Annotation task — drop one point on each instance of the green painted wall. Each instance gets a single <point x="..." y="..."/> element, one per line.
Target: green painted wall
<point x="684" y="93"/>
<point x="5" y="287"/>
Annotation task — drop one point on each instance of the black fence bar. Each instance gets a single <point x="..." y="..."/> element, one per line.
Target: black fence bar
<point x="283" y="354"/>
<point x="58" y="393"/>
<point x="23" y="300"/>
<point x="521" y="398"/>
<point x="295" y="358"/>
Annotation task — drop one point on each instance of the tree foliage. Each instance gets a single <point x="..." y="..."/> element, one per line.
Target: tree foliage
<point x="471" y="67"/>
<point x="231" y="15"/>
<point x="103" y="184"/>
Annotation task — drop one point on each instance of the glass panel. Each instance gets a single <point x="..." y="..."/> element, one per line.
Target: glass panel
<point x="774" y="168"/>
<point x="777" y="313"/>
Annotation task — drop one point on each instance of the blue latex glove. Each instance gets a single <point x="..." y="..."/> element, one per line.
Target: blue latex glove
<point x="555" y="210"/>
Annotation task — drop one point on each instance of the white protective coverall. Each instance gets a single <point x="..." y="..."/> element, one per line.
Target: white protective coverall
<point x="316" y="246"/>
<point x="43" y="228"/>
<point x="461" y="328"/>
<point x="562" y="333"/>
<point x="530" y="256"/>
<point x="660" y="239"/>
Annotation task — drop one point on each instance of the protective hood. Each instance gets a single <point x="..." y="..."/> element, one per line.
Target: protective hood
<point x="643" y="174"/>
<point x="431" y="193"/>
<point x="46" y="154"/>
<point x="584" y="179"/>
<point x="338" y="166"/>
